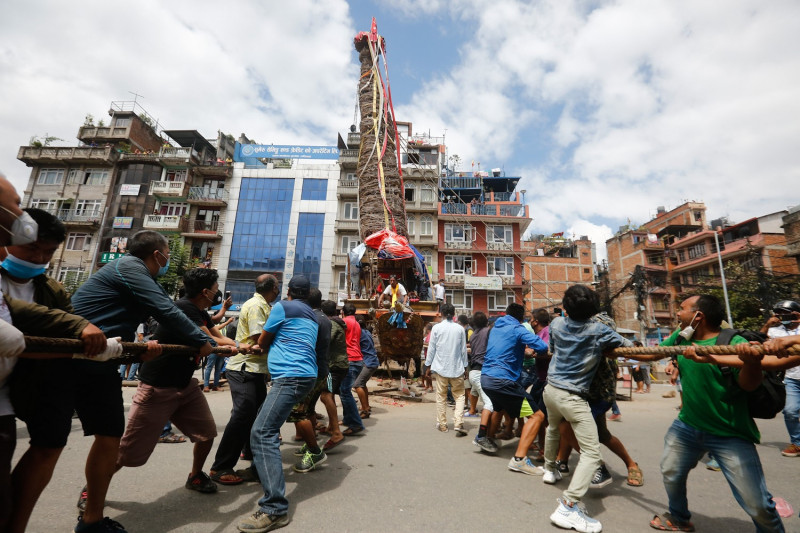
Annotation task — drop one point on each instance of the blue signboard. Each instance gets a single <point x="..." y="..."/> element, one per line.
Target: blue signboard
<point x="246" y="152"/>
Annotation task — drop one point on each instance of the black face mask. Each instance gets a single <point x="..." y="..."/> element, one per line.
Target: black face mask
<point x="217" y="299"/>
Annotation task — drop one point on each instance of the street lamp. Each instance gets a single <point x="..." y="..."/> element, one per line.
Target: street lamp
<point x="722" y="273"/>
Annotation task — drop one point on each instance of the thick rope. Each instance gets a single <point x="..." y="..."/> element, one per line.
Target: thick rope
<point x="667" y="351"/>
<point x="47" y="347"/>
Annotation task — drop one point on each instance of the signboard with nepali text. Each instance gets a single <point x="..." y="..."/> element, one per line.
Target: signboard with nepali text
<point x="273" y="151"/>
<point x="487" y="283"/>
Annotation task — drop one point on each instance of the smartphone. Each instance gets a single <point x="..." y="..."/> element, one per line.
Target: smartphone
<point x="227" y="294"/>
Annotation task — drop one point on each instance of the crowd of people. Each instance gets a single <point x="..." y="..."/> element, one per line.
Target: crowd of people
<point x="552" y="377"/>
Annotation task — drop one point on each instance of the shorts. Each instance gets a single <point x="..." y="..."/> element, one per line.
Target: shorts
<point x="98" y="399"/>
<point x="152" y="407"/>
<point x="508" y="396"/>
<point x="477" y="390"/>
<point x="363" y="377"/>
<point x="42" y="395"/>
<point x="337" y="378"/>
<point x="304" y="409"/>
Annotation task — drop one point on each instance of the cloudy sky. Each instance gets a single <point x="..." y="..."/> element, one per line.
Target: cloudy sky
<point x="606" y="109"/>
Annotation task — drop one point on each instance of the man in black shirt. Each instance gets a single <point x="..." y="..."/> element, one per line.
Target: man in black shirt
<point x="167" y="390"/>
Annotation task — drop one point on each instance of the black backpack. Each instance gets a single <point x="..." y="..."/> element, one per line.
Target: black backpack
<point x="770" y="397"/>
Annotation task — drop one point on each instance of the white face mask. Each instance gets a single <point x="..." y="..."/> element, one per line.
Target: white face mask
<point x="688" y="332"/>
<point x="24" y="230"/>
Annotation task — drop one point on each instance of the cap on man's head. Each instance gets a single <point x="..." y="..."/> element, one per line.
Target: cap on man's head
<point x="301" y="282"/>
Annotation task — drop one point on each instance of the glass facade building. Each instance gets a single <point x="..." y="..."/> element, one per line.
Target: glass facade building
<point x="308" y="251"/>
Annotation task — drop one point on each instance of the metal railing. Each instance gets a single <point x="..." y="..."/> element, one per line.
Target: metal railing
<point x="172" y="188"/>
<point x="208" y="194"/>
<point x="79" y="215"/>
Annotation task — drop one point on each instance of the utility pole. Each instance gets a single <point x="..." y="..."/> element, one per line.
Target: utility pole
<point x="722" y="274"/>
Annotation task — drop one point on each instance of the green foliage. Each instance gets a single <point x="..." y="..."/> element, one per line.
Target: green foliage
<point x="179" y="263"/>
<point x="146" y="119"/>
<point x="73" y="281"/>
<point x="101" y="124"/>
<point x="40" y="141"/>
<point x="88" y="120"/>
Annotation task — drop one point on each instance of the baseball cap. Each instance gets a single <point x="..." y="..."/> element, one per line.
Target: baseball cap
<point x="301" y="282"/>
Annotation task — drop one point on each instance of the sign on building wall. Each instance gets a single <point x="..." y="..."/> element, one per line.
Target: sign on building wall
<point x="123" y="222"/>
<point x="272" y="151"/>
<point x="107" y="257"/>
<point x="119" y="245"/>
<point x="488" y="283"/>
<point x="129" y="190"/>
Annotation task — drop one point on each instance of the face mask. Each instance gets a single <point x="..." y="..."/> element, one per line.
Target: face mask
<point x="688" y="332"/>
<point x="24" y="230"/>
<point x="217" y="299"/>
<point x="162" y="271"/>
<point x="18" y="268"/>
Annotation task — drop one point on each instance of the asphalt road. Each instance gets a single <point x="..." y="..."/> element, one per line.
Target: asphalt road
<point x="402" y="475"/>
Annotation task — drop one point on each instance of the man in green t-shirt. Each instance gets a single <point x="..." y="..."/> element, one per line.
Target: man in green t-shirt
<point x="715" y="419"/>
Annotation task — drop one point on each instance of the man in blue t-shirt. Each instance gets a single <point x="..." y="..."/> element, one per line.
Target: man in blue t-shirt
<point x="290" y="335"/>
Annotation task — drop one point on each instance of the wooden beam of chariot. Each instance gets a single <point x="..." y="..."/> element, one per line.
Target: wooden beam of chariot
<point x="53" y="348"/>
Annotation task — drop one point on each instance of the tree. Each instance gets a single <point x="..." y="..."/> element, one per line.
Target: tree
<point x="73" y="280"/>
<point x="179" y="263"/>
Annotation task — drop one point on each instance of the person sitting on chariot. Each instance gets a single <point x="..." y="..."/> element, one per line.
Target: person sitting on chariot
<point x="396" y="290"/>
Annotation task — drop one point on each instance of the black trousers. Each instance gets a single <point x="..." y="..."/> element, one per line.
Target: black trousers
<point x="248" y="391"/>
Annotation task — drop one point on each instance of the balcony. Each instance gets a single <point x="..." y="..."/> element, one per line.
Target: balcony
<point x="460" y="183"/>
<point x="103" y="134"/>
<point x="165" y="223"/>
<point x="353" y="139"/>
<point x="167" y="156"/>
<point x="339" y="260"/>
<point x="79" y="217"/>
<point x="347" y="188"/>
<point x="201" y="229"/>
<point x="48" y="155"/>
<point x="488" y="209"/>
<point x="345" y="225"/>
<point x="348" y="157"/>
<point x="458" y="245"/>
<point x="206" y="196"/>
<point x="168" y="188"/>
<point x="214" y="170"/>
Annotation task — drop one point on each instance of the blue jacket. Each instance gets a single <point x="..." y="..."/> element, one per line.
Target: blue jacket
<point x="506" y="348"/>
<point x="577" y="347"/>
<point x="122" y="294"/>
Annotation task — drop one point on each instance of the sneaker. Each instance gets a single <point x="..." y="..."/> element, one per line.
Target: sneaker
<point x="460" y="431"/>
<point x="793" y="450"/>
<point x="551" y="477"/>
<point x="259" y="522"/>
<point x="525" y="466"/>
<point x="485" y="444"/>
<point x="300" y="452"/>
<point x="201" y="483"/>
<point x="572" y="516"/>
<point x="713" y="465"/>
<point x="106" y="525"/>
<point x="82" y="501"/>
<point x="309" y="461"/>
<point x="562" y="467"/>
<point x="602" y="477"/>
<point x="616" y="417"/>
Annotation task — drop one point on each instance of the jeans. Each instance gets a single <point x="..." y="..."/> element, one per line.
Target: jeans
<point x="615" y="408"/>
<point x="791" y="411"/>
<point x="528" y="377"/>
<point x="684" y="446"/>
<point x="264" y="441"/>
<point x="350" y="416"/>
<point x="248" y="391"/>
<point x="131" y="374"/>
<point x="215" y="362"/>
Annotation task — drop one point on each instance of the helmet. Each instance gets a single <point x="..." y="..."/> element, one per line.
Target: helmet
<point x="786" y="306"/>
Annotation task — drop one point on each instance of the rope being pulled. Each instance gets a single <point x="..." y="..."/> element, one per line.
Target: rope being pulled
<point x="47" y="347"/>
<point x="667" y="351"/>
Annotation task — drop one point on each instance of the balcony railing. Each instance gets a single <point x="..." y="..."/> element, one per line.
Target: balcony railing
<point x="168" y="188"/>
<point x="75" y="154"/>
<point x="353" y="139"/>
<point x="204" y="229"/>
<point x="165" y="222"/>
<point x="460" y="183"/>
<point x="339" y="260"/>
<point x="491" y="210"/>
<point x="206" y="195"/>
<point x="348" y="156"/>
<point x="79" y="216"/>
<point x="345" y="225"/>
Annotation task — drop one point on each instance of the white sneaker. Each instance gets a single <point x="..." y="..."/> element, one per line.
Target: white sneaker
<point x="550" y="477"/>
<point x="525" y="466"/>
<point x="572" y="516"/>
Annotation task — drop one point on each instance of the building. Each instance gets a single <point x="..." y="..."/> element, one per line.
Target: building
<point x="481" y="220"/>
<point x="791" y="227"/>
<point x="554" y="263"/>
<point x="281" y="213"/>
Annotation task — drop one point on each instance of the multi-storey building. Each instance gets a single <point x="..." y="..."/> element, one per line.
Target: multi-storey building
<point x="481" y="222"/>
<point x="281" y="212"/>
<point x="125" y="177"/>
<point x="791" y="227"/>
<point x="554" y="263"/>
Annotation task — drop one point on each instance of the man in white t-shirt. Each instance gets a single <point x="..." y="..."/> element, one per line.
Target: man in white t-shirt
<point x="395" y="291"/>
<point x="785" y="322"/>
<point x="438" y="292"/>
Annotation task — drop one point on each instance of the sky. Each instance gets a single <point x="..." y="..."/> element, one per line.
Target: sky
<point x="606" y="109"/>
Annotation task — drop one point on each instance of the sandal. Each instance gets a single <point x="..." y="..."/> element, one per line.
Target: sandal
<point x="220" y="477"/>
<point x="666" y="522"/>
<point x="172" y="438"/>
<point x="635" y="476"/>
<point x="247" y="474"/>
<point x="331" y="444"/>
<point x="364" y="414"/>
<point x="321" y="427"/>
<point x="349" y="432"/>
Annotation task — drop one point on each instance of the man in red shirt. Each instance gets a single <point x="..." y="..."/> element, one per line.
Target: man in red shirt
<point x="350" y="417"/>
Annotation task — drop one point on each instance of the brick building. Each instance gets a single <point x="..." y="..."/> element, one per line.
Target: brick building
<point x="791" y="227"/>
<point x="554" y="263"/>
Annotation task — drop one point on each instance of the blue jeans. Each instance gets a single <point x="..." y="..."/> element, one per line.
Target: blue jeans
<point x="285" y="392"/>
<point x="684" y="446"/>
<point x="350" y="416"/>
<point x="215" y="362"/>
<point x="615" y="408"/>
<point x="131" y="374"/>
<point x="791" y="411"/>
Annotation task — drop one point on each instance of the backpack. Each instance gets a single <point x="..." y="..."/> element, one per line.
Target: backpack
<point x="770" y="397"/>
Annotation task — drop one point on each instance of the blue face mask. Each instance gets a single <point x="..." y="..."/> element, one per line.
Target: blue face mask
<point x="18" y="268"/>
<point x="162" y="271"/>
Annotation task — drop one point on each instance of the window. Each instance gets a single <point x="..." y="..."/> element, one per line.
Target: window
<point x="87" y="207"/>
<point x="585" y="270"/>
<point x="427" y="255"/>
<point x="350" y="177"/>
<point x="460" y="299"/>
<point x="351" y="211"/>
<point x="457" y="233"/>
<point x="96" y="176"/>
<point x="411" y="225"/>
<point x="175" y="174"/>
<point x="308" y="251"/>
<point x="122" y="122"/>
<point x="410" y="192"/>
<point x="426" y="225"/>
<point x="314" y="189"/>
<point x="499" y="300"/>
<point x="70" y="275"/>
<point x="78" y="241"/>
<point x="348" y="243"/>
<point x="74" y="177"/>
<point x="681" y="256"/>
<point x="499" y="234"/>
<point x="500" y="266"/>
<point x="458" y="264"/>
<point x="44" y="205"/>
<point x="51" y="176"/>
<point x="176" y="209"/>
<point x="426" y="195"/>
<point x="342" y="281"/>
